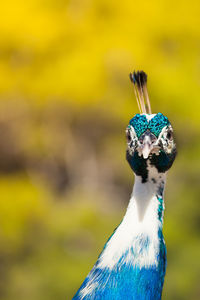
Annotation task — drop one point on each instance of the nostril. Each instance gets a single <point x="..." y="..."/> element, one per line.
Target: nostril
<point x="153" y="138"/>
<point x="147" y="137"/>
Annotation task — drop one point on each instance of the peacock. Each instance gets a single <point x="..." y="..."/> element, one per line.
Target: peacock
<point x="132" y="264"/>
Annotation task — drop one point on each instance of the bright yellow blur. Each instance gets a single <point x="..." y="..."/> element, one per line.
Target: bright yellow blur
<point x="65" y="101"/>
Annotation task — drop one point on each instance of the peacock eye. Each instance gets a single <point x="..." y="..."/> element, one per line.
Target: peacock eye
<point x="169" y="135"/>
<point x="128" y="136"/>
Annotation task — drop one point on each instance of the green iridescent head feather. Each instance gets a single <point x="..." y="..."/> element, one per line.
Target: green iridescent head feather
<point x="140" y="124"/>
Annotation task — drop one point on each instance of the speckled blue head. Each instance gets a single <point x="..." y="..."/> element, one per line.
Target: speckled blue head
<point x="161" y="148"/>
<point x="141" y="123"/>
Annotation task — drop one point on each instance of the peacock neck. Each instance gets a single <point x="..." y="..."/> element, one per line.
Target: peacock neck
<point x="138" y="237"/>
<point x="147" y="203"/>
<point x="133" y="261"/>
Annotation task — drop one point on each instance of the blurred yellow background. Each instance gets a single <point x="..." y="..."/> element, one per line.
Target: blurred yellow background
<point x="65" y="101"/>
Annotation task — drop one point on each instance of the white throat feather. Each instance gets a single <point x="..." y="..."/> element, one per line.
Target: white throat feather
<point x="140" y="224"/>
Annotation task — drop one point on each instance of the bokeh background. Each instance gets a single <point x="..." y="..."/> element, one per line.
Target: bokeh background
<point x="65" y="101"/>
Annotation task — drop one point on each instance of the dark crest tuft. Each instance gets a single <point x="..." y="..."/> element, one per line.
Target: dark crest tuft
<point x="139" y="80"/>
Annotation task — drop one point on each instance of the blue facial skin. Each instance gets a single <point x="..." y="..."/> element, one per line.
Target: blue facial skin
<point x="164" y="160"/>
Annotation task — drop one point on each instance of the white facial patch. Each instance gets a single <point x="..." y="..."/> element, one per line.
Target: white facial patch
<point x="167" y="143"/>
<point x="134" y="140"/>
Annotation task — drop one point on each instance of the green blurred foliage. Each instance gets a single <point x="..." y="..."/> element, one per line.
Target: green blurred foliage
<point x="65" y="100"/>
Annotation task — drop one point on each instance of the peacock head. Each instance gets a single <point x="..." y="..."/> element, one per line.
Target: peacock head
<point x="150" y="140"/>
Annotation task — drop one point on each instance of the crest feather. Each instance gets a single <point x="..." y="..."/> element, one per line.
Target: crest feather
<point x="139" y="80"/>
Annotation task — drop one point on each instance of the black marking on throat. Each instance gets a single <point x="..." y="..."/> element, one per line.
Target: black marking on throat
<point x="163" y="161"/>
<point x="138" y="164"/>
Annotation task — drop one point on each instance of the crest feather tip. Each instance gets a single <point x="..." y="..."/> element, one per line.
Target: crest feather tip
<point x="139" y="80"/>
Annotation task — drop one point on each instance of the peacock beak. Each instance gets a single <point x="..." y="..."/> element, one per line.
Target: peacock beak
<point x="147" y="143"/>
